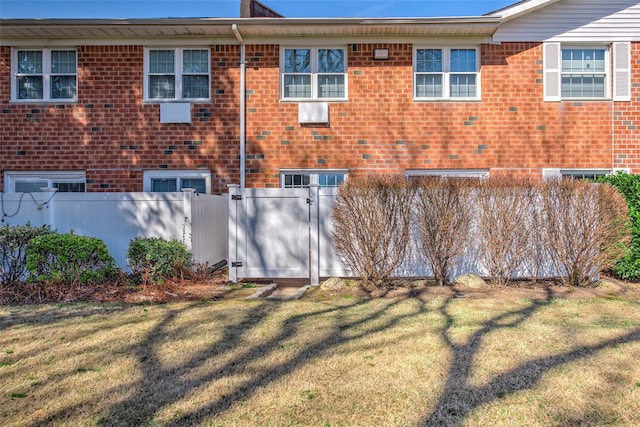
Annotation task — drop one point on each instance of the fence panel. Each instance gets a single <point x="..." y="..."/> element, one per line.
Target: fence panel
<point x="116" y="218"/>
<point x="271" y="228"/>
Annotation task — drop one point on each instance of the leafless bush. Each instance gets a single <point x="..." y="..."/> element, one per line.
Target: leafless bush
<point x="444" y="216"/>
<point x="586" y="228"/>
<point x="371" y="225"/>
<point x="505" y="225"/>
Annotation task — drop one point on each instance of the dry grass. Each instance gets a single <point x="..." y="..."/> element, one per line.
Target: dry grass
<point x="424" y="360"/>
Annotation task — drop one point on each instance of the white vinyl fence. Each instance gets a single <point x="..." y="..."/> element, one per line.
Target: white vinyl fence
<point x="286" y="233"/>
<point x="198" y="220"/>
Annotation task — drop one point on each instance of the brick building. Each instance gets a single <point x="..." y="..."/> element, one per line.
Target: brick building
<point x="540" y="88"/>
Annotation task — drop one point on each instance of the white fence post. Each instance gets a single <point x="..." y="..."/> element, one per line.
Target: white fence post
<point x="314" y="231"/>
<point x="48" y="210"/>
<point x="187" y="236"/>
<point x="232" y="268"/>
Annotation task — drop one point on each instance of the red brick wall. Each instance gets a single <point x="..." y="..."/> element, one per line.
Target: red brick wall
<point x="114" y="136"/>
<point x="381" y="128"/>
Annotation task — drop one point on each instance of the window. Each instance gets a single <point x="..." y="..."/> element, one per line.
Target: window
<point x="446" y="73"/>
<point x="302" y="178"/>
<point x="450" y="173"/>
<point x="44" y="75"/>
<point x="172" y="181"/>
<point x="587" y="72"/>
<point x="584" y="73"/>
<point x="313" y="73"/>
<point x="177" y="74"/>
<point x="590" y="174"/>
<point x="32" y="182"/>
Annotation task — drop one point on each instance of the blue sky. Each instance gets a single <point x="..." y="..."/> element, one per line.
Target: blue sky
<point x="231" y="8"/>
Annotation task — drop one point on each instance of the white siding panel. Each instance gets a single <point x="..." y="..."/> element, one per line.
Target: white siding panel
<point x="576" y="21"/>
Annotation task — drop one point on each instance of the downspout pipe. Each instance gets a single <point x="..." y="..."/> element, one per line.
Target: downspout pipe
<point x="243" y="117"/>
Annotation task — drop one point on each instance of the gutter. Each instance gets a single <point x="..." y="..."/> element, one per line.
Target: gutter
<point x="234" y="28"/>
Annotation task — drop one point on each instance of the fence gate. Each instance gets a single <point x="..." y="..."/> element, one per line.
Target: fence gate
<point x="269" y="233"/>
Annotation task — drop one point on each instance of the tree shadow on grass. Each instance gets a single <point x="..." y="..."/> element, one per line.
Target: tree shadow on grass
<point x="460" y="398"/>
<point x="158" y="386"/>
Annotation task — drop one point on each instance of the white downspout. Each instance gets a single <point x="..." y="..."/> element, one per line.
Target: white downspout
<point x="234" y="28"/>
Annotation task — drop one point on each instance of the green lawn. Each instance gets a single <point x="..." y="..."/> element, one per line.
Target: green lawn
<point x="426" y="360"/>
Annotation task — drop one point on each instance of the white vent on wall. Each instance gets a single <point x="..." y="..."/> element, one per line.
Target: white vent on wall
<point x="175" y="113"/>
<point x="313" y="112"/>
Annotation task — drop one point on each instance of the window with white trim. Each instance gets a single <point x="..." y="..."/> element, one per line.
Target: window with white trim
<point x="44" y="75"/>
<point x="174" y="181"/>
<point x="313" y="73"/>
<point x="446" y="73"/>
<point x="303" y="177"/>
<point x="449" y="173"/>
<point x="177" y="74"/>
<point x="34" y="181"/>
<point x="580" y="72"/>
<point x="584" y="72"/>
<point x="589" y="174"/>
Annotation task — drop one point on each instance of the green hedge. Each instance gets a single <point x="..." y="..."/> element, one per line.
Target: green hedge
<point x="13" y="250"/>
<point x="628" y="268"/>
<point x="69" y="258"/>
<point x="158" y="258"/>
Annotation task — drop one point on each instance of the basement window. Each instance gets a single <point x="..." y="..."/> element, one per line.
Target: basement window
<point x="33" y="182"/>
<point x="176" y="181"/>
<point x="304" y="177"/>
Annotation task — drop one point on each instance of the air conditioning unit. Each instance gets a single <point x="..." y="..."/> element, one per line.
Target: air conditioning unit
<point x="175" y="113"/>
<point x="313" y="112"/>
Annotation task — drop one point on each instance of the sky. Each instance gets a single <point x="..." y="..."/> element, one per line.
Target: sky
<point x="231" y="8"/>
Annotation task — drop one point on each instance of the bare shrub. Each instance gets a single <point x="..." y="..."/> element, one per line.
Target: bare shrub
<point x="586" y="228"/>
<point x="505" y="226"/>
<point x="371" y="225"/>
<point x="444" y="216"/>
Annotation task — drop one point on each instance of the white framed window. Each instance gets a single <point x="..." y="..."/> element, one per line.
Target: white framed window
<point x="313" y="73"/>
<point x="446" y="73"/>
<point x="163" y="181"/>
<point x="45" y="75"/>
<point x="449" y="173"/>
<point x="301" y="178"/>
<point x="33" y="181"/>
<point x="590" y="174"/>
<point x="584" y="72"/>
<point x="177" y="74"/>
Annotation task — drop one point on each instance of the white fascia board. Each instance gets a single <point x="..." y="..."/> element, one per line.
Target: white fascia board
<point x="521" y="8"/>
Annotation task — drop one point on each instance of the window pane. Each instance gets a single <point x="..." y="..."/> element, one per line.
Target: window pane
<point x="29" y="62"/>
<point x="63" y="87"/>
<point x="195" y="62"/>
<point x="331" y="86"/>
<point x="583" y="60"/>
<point x="297" y="61"/>
<point x="162" y="87"/>
<point x="161" y="61"/>
<point x="199" y="184"/>
<point x="429" y="60"/>
<point x="296" y="180"/>
<point x="63" y="62"/>
<point x="195" y="87"/>
<point x="331" y="60"/>
<point x="583" y="86"/>
<point x="30" y="87"/>
<point x="297" y="86"/>
<point x="429" y="86"/>
<point x="463" y="85"/>
<point x="463" y="60"/>
<point x="330" y="179"/>
<point x="30" y="186"/>
<point x="69" y="187"/>
<point x="163" y="185"/>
